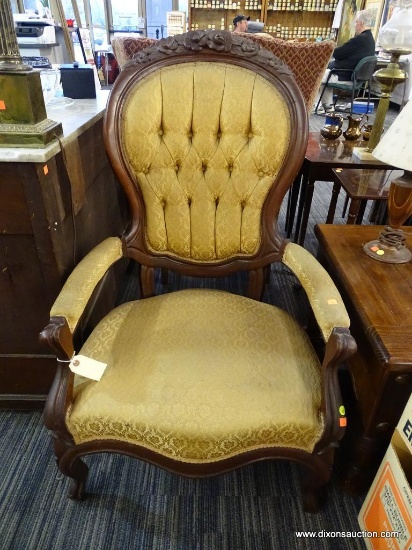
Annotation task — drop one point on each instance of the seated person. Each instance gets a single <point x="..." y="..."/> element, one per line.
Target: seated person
<point x="348" y="56"/>
<point x="240" y="23"/>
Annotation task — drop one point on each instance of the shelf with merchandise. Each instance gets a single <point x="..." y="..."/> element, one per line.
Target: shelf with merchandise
<point x="287" y="19"/>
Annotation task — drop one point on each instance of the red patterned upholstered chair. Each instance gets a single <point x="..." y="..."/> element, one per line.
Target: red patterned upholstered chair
<point x="124" y="47"/>
<point x="308" y="60"/>
<point x="201" y="381"/>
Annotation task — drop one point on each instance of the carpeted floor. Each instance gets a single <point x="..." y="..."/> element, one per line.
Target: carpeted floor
<point x="135" y="505"/>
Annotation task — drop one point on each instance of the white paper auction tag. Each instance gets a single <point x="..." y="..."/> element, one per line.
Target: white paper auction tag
<point x="85" y="366"/>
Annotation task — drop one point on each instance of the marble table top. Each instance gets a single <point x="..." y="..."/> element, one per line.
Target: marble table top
<point x="76" y="116"/>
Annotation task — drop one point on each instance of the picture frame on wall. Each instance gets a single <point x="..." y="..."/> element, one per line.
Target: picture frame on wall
<point x="347" y="26"/>
<point x="376" y="9"/>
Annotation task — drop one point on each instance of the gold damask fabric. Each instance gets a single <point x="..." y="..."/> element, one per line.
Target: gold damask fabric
<point x="198" y="376"/>
<point x="81" y="283"/>
<point x="324" y="297"/>
<point x="205" y="150"/>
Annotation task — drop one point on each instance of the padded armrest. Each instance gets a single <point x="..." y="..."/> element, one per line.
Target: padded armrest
<point x="324" y="297"/>
<point x="78" y="288"/>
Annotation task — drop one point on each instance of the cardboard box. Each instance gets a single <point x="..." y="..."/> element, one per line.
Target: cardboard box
<point x="405" y="425"/>
<point x="388" y="504"/>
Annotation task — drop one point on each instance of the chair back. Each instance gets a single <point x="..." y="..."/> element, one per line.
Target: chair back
<point x="206" y="132"/>
<point x="365" y="68"/>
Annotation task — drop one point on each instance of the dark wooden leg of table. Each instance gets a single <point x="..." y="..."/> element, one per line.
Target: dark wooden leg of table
<point x="292" y="202"/>
<point x="333" y="202"/>
<point x="303" y="181"/>
<point x="353" y="211"/>
<point x="362" y="208"/>
<point x="305" y="202"/>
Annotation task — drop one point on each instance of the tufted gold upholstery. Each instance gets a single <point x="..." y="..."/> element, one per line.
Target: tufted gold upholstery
<point x="307" y="60"/>
<point x="205" y="165"/>
<point x="202" y="381"/>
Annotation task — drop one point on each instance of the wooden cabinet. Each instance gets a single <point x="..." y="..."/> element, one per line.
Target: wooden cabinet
<point x="297" y="19"/>
<point x="51" y="214"/>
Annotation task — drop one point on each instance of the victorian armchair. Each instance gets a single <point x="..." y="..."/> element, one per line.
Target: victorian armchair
<point x="201" y="381"/>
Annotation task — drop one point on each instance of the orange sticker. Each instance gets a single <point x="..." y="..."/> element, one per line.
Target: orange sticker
<point x="374" y="248"/>
<point x="2" y="105"/>
<point x="45" y="169"/>
<point x="343" y="422"/>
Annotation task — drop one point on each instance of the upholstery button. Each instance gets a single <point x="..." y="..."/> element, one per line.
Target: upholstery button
<point x="250" y="135"/>
<point x="261" y="174"/>
<point x="219" y="134"/>
<point x="145" y="170"/>
<point x="160" y="132"/>
<point x="176" y="167"/>
<point x="204" y="166"/>
<point x="190" y="134"/>
<point x="230" y="167"/>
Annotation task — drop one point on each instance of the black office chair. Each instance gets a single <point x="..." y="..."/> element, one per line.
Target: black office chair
<point x="361" y="77"/>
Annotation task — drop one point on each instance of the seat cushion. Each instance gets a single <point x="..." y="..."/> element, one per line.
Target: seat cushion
<point x="200" y="375"/>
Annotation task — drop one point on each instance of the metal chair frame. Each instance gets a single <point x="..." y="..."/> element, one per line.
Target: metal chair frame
<point x="361" y="78"/>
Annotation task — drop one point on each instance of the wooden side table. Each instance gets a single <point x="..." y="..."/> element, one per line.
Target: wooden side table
<point x="360" y="186"/>
<point x="378" y="297"/>
<point x="321" y="156"/>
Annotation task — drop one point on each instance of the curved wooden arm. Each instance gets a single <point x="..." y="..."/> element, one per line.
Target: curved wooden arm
<point x="324" y="297"/>
<point x="58" y="335"/>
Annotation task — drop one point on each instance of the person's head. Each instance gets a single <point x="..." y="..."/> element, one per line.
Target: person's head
<point x="363" y="21"/>
<point x="240" y="23"/>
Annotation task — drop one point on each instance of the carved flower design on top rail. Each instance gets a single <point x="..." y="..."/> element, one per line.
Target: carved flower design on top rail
<point x="222" y="41"/>
<point x="168" y="45"/>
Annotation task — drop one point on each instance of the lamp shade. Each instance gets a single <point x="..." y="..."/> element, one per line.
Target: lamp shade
<point x="396" y="34"/>
<point x="395" y="146"/>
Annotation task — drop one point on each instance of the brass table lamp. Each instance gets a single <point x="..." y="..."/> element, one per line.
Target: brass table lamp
<point x="395" y="148"/>
<point x="395" y="37"/>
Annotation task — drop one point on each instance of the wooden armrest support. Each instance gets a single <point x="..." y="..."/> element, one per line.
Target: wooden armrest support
<point x="341" y="345"/>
